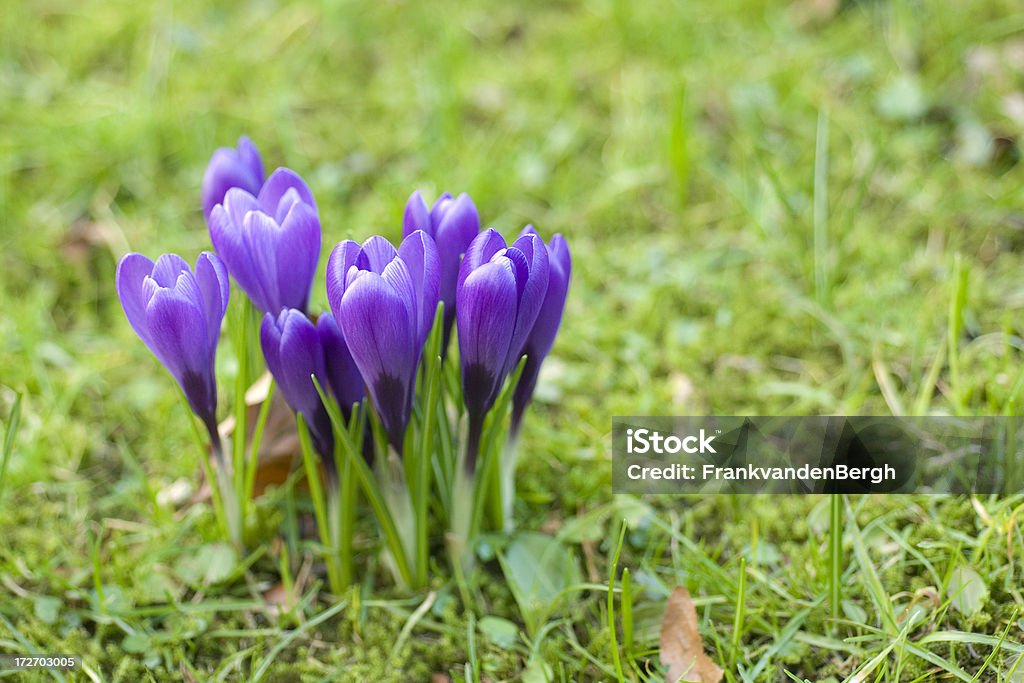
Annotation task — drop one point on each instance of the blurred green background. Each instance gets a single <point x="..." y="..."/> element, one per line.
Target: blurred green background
<point x="795" y="207"/>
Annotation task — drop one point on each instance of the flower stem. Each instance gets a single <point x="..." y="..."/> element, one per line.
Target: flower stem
<point x="225" y="485"/>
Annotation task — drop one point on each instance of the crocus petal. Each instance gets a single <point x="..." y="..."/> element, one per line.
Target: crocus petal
<point x="131" y="271"/>
<point x="376" y="254"/>
<point x="237" y="203"/>
<point x="168" y="269"/>
<point x="342" y="373"/>
<point x="249" y="155"/>
<point x="301" y="356"/>
<point x="343" y="256"/>
<point x="481" y="249"/>
<point x="179" y="340"/>
<point x="291" y="346"/>
<point x="416" y="215"/>
<point x="532" y="295"/>
<point x="298" y="253"/>
<point x="459" y="225"/>
<point x="229" y="168"/>
<point x="380" y="335"/>
<point x="396" y="274"/>
<point x="420" y="256"/>
<point x="542" y="337"/>
<point x="439" y="207"/>
<point x="233" y="247"/>
<point x="261" y="237"/>
<point x="485" y="316"/>
<point x="277" y="187"/>
<point x="212" y="279"/>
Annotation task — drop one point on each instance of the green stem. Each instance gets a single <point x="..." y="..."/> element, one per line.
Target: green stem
<point x="366" y="480"/>
<point x="836" y="554"/>
<point x="316" y="492"/>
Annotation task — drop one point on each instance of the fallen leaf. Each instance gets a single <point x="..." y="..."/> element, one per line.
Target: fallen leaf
<point x="682" y="649"/>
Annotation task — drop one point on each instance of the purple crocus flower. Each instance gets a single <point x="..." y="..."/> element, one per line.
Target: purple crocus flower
<point x="542" y="336"/>
<point x="385" y="301"/>
<point x="270" y="242"/>
<point x="294" y="354"/>
<point x="342" y="374"/>
<point x="177" y="312"/>
<point x="500" y="293"/>
<point x="453" y="223"/>
<point x="241" y="167"/>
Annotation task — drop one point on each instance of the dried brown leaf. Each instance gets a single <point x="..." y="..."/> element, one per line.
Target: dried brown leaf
<point x="682" y="649"/>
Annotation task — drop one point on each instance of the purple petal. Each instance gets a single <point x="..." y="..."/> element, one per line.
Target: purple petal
<point x="419" y="254"/>
<point x="228" y="169"/>
<point x="294" y="354"/>
<point x="291" y="346"/>
<point x="297" y="256"/>
<point x="439" y="207"/>
<point x="277" y="188"/>
<point x="456" y="231"/>
<point x="343" y="256"/>
<point x="180" y="341"/>
<point x="377" y="254"/>
<point x="249" y="155"/>
<point x="168" y="268"/>
<point x="528" y="229"/>
<point x="237" y="203"/>
<point x="542" y="336"/>
<point x="532" y="296"/>
<point x="416" y="216"/>
<point x="261" y="237"/>
<point x="545" y="329"/>
<point x="342" y="374"/>
<point x="481" y="249"/>
<point x="212" y="279"/>
<point x="485" y="317"/>
<point x="232" y="244"/>
<point x="380" y="335"/>
<point x="396" y="274"/>
<point x="131" y="271"/>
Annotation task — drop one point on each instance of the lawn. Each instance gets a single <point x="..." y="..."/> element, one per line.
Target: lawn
<point x="803" y="208"/>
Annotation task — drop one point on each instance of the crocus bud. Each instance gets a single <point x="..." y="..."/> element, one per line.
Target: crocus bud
<point x="542" y="336"/>
<point x="294" y="354"/>
<point x="270" y="242"/>
<point x="500" y="292"/>
<point x="384" y="300"/>
<point x="178" y="314"/>
<point x="453" y="223"/>
<point x="240" y="167"/>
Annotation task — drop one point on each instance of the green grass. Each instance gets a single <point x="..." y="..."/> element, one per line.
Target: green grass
<point x="770" y="212"/>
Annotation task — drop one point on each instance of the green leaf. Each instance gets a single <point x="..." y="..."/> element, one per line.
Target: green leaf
<point x="136" y="643"/>
<point x="538" y="671"/>
<point x="968" y="590"/>
<point x="538" y="568"/>
<point x="47" y="608"/>
<point x="501" y="632"/>
<point x="902" y="99"/>
<point x="213" y="563"/>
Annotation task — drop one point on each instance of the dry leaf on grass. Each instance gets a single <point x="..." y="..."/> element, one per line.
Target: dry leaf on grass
<point x="682" y="649"/>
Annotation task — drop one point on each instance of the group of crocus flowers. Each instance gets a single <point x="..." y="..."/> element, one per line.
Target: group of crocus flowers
<point x="504" y="301"/>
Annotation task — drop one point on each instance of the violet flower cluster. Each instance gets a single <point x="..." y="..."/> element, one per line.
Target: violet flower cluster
<point x="504" y="300"/>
